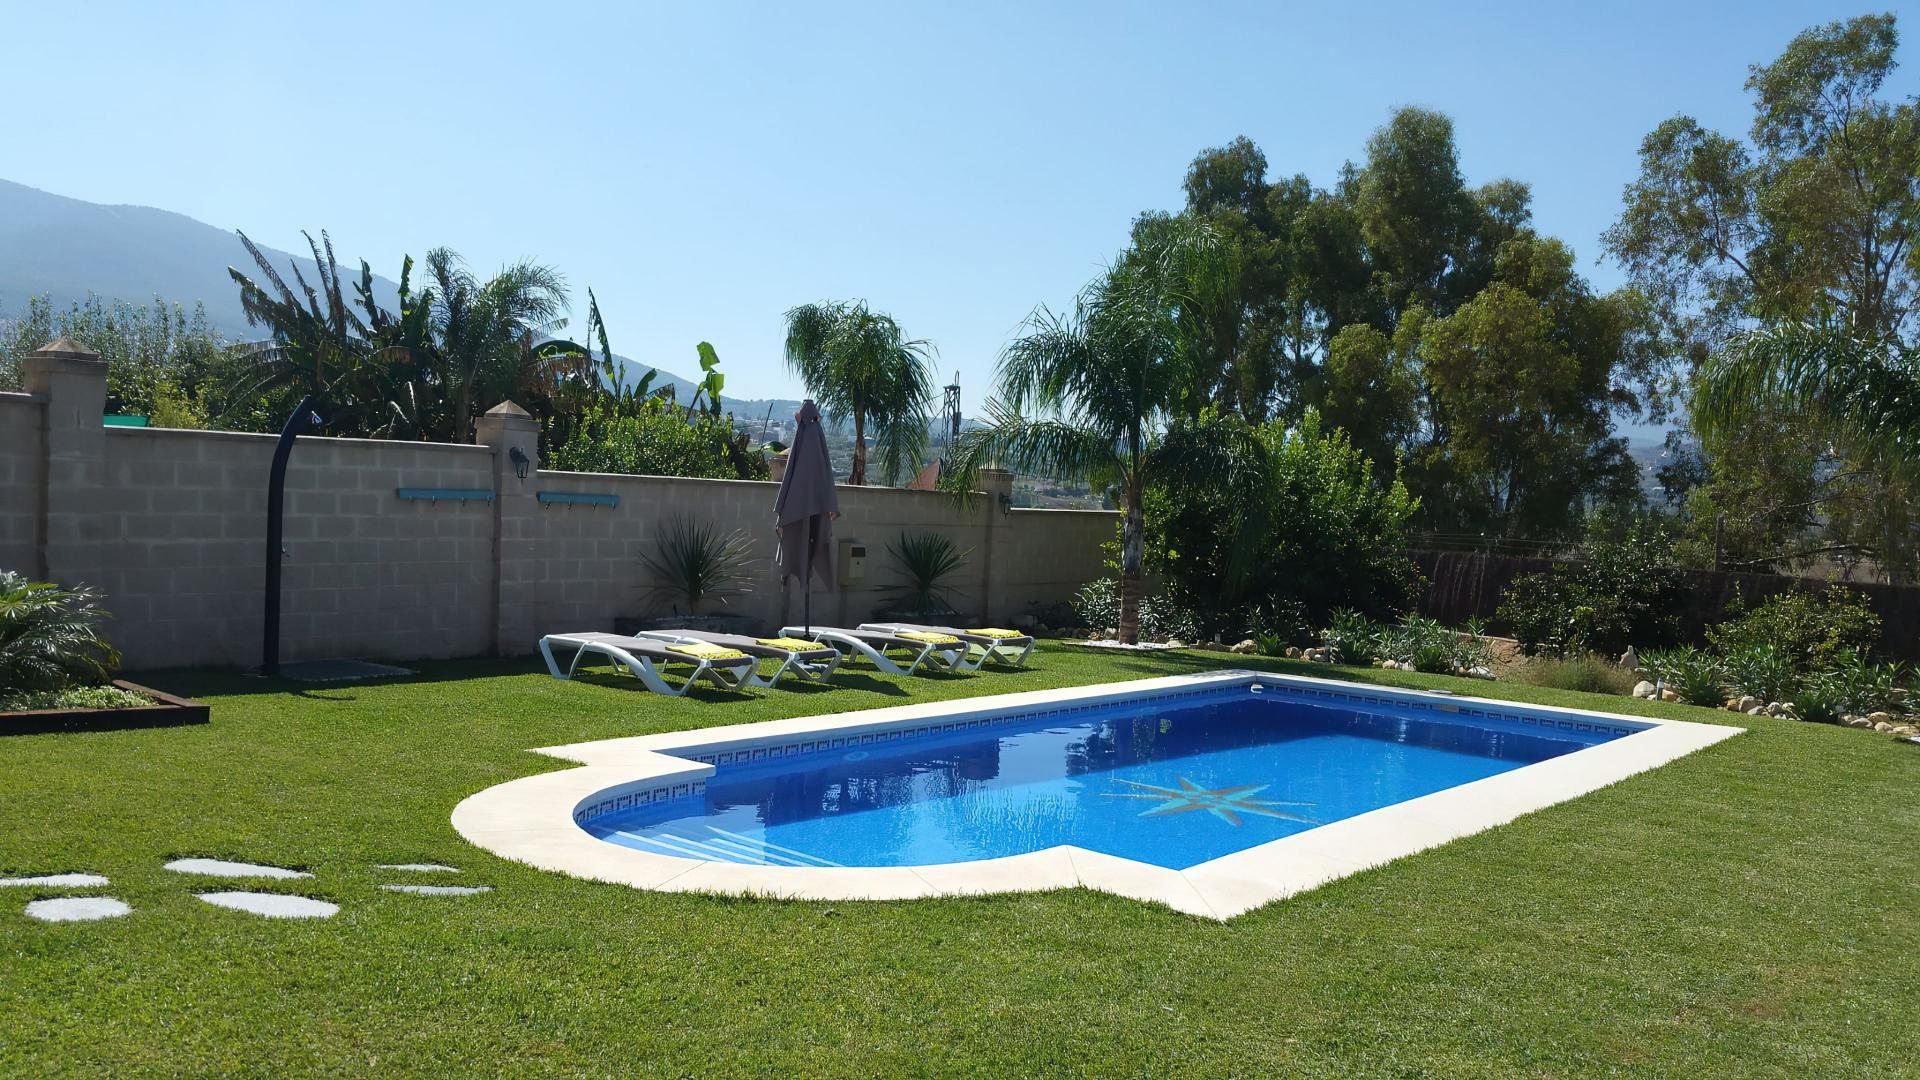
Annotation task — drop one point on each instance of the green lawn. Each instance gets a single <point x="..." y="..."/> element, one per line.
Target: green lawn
<point x="1749" y="910"/>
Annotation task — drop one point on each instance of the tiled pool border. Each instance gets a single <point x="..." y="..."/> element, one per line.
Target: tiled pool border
<point x="537" y="819"/>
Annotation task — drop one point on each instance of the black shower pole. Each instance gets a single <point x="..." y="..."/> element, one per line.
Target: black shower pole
<point x="276" y="512"/>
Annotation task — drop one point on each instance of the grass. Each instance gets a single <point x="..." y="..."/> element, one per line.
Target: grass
<point x="1748" y="910"/>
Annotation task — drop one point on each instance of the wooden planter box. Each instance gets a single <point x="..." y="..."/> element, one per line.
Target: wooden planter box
<point x="166" y="711"/>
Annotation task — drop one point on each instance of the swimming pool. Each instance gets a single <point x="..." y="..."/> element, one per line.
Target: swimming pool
<point x="1213" y="793"/>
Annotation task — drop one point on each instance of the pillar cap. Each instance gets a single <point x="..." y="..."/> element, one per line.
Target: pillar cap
<point x="508" y="408"/>
<point x="65" y="348"/>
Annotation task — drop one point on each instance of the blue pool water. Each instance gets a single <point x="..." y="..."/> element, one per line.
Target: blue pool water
<point x="1172" y="781"/>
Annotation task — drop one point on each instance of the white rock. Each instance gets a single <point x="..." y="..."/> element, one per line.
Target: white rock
<point x="1669" y="694"/>
<point x="1880" y="717"/>
<point x="273" y="905"/>
<point x="1175" y="643"/>
<point x="1480" y="671"/>
<point x="56" y="881"/>
<point x="1644" y="689"/>
<point x="419" y="867"/>
<point x="1883" y="726"/>
<point x="1747" y="702"/>
<point x="439" y="890"/>
<point x="1757" y="710"/>
<point x="77" y="909"/>
<point x="223" y="868"/>
<point x="1904" y="730"/>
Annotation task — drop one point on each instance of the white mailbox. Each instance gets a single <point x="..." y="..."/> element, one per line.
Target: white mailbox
<point x="853" y="562"/>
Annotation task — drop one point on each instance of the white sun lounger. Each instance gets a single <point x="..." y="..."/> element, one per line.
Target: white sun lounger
<point x="981" y="648"/>
<point x="645" y="657"/>
<point x="814" y="665"/>
<point x="873" y="645"/>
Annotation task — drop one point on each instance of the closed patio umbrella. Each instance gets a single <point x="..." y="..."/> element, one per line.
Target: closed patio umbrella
<point x="804" y="510"/>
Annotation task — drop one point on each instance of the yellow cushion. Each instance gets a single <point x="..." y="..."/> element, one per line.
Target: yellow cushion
<point x="996" y="632"/>
<point x="703" y="651"/>
<point x="930" y="637"/>
<point x="792" y="644"/>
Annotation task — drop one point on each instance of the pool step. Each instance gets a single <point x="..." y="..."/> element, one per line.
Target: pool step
<point x="724" y="847"/>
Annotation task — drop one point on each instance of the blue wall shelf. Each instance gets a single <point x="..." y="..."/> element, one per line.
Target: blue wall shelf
<point x="446" y="494"/>
<point x="577" y="498"/>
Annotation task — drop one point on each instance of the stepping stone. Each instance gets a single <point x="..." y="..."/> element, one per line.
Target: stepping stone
<point x="419" y="867"/>
<point x="223" y="868"/>
<point x="77" y="909"/>
<point x="272" y="905"/>
<point x="57" y="881"/>
<point x="439" y="890"/>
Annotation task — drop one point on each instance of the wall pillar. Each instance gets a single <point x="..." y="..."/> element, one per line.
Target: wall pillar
<point x="516" y="522"/>
<point x="997" y="487"/>
<point x="73" y="381"/>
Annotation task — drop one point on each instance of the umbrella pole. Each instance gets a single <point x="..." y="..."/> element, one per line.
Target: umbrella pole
<point x="806" y="579"/>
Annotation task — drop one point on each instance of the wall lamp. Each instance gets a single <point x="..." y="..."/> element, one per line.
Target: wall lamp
<point x="1006" y="503"/>
<point x="521" y="462"/>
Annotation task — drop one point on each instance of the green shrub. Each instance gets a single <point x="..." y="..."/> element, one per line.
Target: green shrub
<point x="1354" y="638"/>
<point x="1764" y="671"/>
<point x="1816" y="631"/>
<point x="1250" y="520"/>
<point x="1431" y="647"/>
<point x="1624" y="593"/>
<point x="1694" y="674"/>
<point x="49" y="636"/>
<point x="1852" y="686"/>
<point x="1097" y="605"/>
<point x="1588" y="674"/>
<point x="73" y="697"/>
<point x="657" y="439"/>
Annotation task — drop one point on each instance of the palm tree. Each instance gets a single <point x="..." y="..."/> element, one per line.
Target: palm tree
<point x="1088" y="395"/>
<point x="857" y="363"/>
<point x="1865" y="389"/>
<point x="481" y="349"/>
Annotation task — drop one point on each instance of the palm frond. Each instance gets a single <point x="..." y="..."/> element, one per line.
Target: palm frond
<point x="1866" y="389"/>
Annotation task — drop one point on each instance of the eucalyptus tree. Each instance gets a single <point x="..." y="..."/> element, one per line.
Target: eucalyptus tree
<point x="1088" y="395"/>
<point x="1814" y="212"/>
<point x="858" y="364"/>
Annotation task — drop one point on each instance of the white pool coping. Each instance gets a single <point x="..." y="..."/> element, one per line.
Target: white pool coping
<point x="532" y="820"/>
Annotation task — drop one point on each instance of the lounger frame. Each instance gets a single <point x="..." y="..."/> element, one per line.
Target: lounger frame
<point x="728" y="675"/>
<point x="981" y="648"/>
<point x="792" y="661"/>
<point x="934" y="655"/>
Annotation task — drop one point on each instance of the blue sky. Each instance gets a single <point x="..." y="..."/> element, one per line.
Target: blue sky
<point x="706" y="166"/>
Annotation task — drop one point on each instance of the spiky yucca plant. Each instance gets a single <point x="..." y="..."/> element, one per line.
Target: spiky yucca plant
<point x="694" y="562"/>
<point x="929" y="559"/>
<point x="49" y="636"/>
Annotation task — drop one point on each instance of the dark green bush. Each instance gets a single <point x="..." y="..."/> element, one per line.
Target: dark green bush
<point x="1764" y="671"/>
<point x="1816" y="631"/>
<point x="1431" y="647"/>
<point x="1694" y="674"/>
<point x="1253" y="524"/>
<point x="1625" y="593"/>
<point x="1354" y="638"/>
<point x="50" y="637"/>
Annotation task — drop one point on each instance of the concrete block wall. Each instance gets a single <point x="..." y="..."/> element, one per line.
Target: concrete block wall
<point x="171" y="527"/>
<point x="22" y="417"/>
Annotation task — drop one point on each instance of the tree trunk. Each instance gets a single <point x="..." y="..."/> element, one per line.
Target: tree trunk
<point x="859" y="448"/>
<point x="1132" y="545"/>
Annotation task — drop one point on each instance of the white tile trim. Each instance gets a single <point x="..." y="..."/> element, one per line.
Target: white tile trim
<point x="532" y="820"/>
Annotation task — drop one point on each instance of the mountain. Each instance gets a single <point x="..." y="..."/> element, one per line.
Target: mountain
<point x="63" y="249"/>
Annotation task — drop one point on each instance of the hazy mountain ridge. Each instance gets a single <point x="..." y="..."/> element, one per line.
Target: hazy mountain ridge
<point x="64" y="248"/>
